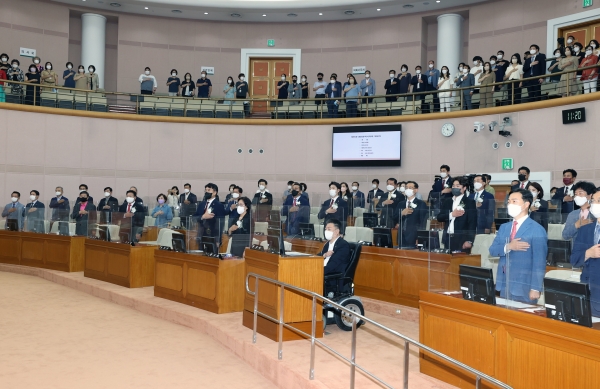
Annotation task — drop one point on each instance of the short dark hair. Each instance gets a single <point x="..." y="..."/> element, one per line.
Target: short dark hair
<point x="336" y="223"/>
<point x="84" y="185"/>
<point x="241" y="75"/>
<point x="297" y="183"/>
<point x="395" y="181"/>
<point x="572" y="171"/>
<point x="247" y="202"/>
<point x="482" y="176"/>
<point x="36" y="192"/>
<point x="418" y="67"/>
<point x="375" y="180"/>
<point x="333" y="76"/>
<point x="161" y="195"/>
<point x="414" y="183"/>
<point x="174" y="70"/>
<point x="18" y="194"/>
<point x="337" y="184"/>
<point x="69" y="63"/>
<point x="109" y="188"/>
<point x="445" y="167"/>
<point x="555" y="188"/>
<point x="294" y="76"/>
<point x="147" y="68"/>
<point x="524" y="168"/>
<point x="586" y="186"/>
<point x="462" y="181"/>
<point x="500" y="51"/>
<point x="187" y="184"/>
<point x="5" y="55"/>
<point x="578" y="45"/>
<point x="477" y="58"/>
<point x="291" y="182"/>
<point x="92" y="66"/>
<point x="319" y="74"/>
<point x="133" y="192"/>
<point x="85" y="192"/>
<point x="536" y="47"/>
<point x="262" y="180"/>
<point x="527" y="196"/>
<point x="493" y="57"/>
<point x="488" y="177"/>
<point x="357" y="183"/>
<point x="15" y="61"/>
<point x="212" y="186"/>
<point x="239" y="188"/>
<point x="539" y="188"/>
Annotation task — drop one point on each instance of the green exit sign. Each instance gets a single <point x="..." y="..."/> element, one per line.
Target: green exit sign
<point x="270" y="42"/>
<point x="587" y="3"/>
<point x="507" y="164"/>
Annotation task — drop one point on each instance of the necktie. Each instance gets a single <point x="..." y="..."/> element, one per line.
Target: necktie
<point x="522" y="185"/>
<point x="476" y="196"/>
<point x="597" y="234"/>
<point x="294" y="202"/>
<point x="205" y="206"/>
<point x="513" y="232"/>
<point x="331" y="203"/>
<point x="129" y="208"/>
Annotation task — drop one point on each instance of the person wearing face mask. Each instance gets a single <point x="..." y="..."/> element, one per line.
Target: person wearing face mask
<point x="444" y="86"/>
<point x="133" y="216"/>
<point x="420" y="84"/>
<point x="347" y="196"/>
<point x="539" y="207"/>
<point x="16" y="74"/>
<point x="522" y="245"/>
<point x="495" y="69"/>
<point x="262" y="200"/>
<point x="60" y="211"/>
<point x="368" y="87"/>
<point x="4" y="64"/>
<point x="514" y="72"/>
<point x="236" y="193"/>
<point x="392" y="86"/>
<point x="352" y="92"/>
<point x="210" y="214"/>
<point x="358" y="197"/>
<point x="433" y="76"/>
<point x="477" y="69"/>
<point x="294" y="91"/>
<point x="229" y="195"/>
<point x="81" y="79"/>
<point x="173" y="200"/>
<point x="32" y="92"/>
<point x="459" y="215"/>
<point x="108" y="203"/>
<point x="411" y="216"/>
<point x="148" y="83"/>
<point x="49" y="76"/>
<point x="297" y="209"/>
<point x="37" y="62"/>
<point x="187" y="86"/>
<point x="173" y="83"/>
<point x="162" y="212"/>
<point x="319" y="88"/>
<point x="404" y="82"/>
<point x="81" y="214"/>
<point x="242" y="92"/>
<point x="34" y="213"/>
<point x="204" y="85"/>
<point x="578" y="218"/>
<point x="13" y="212"/>
<point x="93" y="79"/>
<point x="570" y="41"/>
<point x="3" y="76"/>
<point x="188" y="202"/>
<point x="240" y="222"/>
<point x="68" y="76"/>
<point x="523" y="179"/>
<point x="486" y="93"/>
<point x="465" y="81"/>
<point x="333" y="91"/>
<point x="553" y="68"/>
<point x="84" y="188"/>
<point x="441" y="187"/>
<point x="282" y="89"/>
<point x="565" y="64"/>
<point x="374" y="195"/>
<point x="595" y="47"/>
<point x="388" y="203"/>
<point x="229" y="91"/>
<point x="346" y="83"/>
<point x="485" y="203"/>
<point x="335" y="253"/>
<point x="564" y="195"/>
<point x="304" y="189"/>
<point x="534" y="66"/>
<point x="335" y="207"/>
<point x="589" y="77"/>
<point x="579" y="53"/>
<point x="501" y="66"/>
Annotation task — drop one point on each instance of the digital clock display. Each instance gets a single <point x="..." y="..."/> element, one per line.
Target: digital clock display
<point x="576" y="115"/>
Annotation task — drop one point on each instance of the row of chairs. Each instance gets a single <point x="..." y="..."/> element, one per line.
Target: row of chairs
<point x="191" y="108"/>
<point x="309" y="110"/>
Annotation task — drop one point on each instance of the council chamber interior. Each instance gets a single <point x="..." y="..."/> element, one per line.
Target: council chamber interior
<point x="291" y="194"/>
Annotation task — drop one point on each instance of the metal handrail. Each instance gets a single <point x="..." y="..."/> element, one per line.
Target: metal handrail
<point x="355" y="319"/>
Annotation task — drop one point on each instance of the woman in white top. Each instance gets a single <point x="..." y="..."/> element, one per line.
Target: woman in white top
<point x="173" y="200"/>
<point x="445" y="89"/>
<point x="514" y="72"/>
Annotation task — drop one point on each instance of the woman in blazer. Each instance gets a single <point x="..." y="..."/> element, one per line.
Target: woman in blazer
<point x="162" y="212"/>
<point x="445" y="89"/>
<point x="486" y="93"/>
<point x="241" y="218"/>
<point x="514" y="72"/>
<point x="49" y="76"/>
<point x="539" y="207"/>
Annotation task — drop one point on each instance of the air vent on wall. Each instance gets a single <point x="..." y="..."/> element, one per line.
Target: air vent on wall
<point x="292" y="15"/>
<point x="408" y="6"/>
<point x="176" y="11"/>
<point x="115" y="4"/>
<point x="349" y="12"/>
<point x="235" y="15"/>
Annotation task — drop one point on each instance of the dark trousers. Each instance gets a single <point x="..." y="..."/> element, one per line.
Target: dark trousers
<point x="350" y="109"/>
<point x="370" y="100"/>
<point x="534" y="90"/>
<point x="332" y="109"/>
<point x="146" y="92"/>
<point x="319" y="96"/>
<point x="516" y="94"/>
<point x="467" y="100"/>
<point x="389" y="99"/>
<point x="436" y="102"/>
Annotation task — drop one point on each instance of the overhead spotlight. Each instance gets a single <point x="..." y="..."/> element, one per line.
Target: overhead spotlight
<point x="176" y="11"/>
<point x="115" y="4"/>
<point x="264" y="14"/>
<point x="206" y="13"/>
<point x="320" y="13"/>
<point x="408" y="6"/>
<point x="349" y="12"/>
<point x="145" y="7"/>
<point x="378" y="9"/>
<point x="235" y="15"/>
<point x="438" y="1"/>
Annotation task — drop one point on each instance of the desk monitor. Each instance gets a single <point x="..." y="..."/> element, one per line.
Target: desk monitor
<point x="559" y="253"/>
<point x="500" y="221"/>
<point x="428" y="240"/>
<point x="209" y="245"/>
<point x="275" y="240"/>
<point x="568" y="301"/>
<point x="477" y="284"/>
<point x="370" y="219"/>
<point x="12" y="225"/>
<point x="382" y="237"/>
<point x="178" y="243"/>
<point x="307" y="230"/>
<point x="239" y="242"/>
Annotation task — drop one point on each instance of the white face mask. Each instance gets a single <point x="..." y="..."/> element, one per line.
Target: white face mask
<point x="534" y="193"/>
<point x="409" y="192"/>
<point x="532" y="52"/>
<point x="242" y="78"/>
<point x="588" y="52"/>
<point x="393" y="75"/>
<point x="32" y="70"/>
<point x="487" y="67"/>
<point x="58" y="193"/>
<point x="49" y="67"/>
<point x="261" y="187"/>
<point x="186" y="190"/>
<point x="374" y="186"/>
<point x="14" y="65"/>
<point x="36" y="61"/>
<point x="443" y="174"/>
<point x="289" y="187"/>
<point x="390" y="188"/>
<point x="282" y="78"/>
<point x="91" y="70"/>
<point x="499" y="56"/>
<point x="81" y="70"/>
<point x="430" y="66"/>
<point x="404" y="70"/>
<point x="557" y="55"/>
<point x="402" y="189"/>
<point x="580" y="200"/>
<point x="203" y="75"/>
<point x="514" y="60"/>
<point x="477" y="185"/>
<point x="303" y="79"/>
<point x="465" y="71"/>
<point x="147" y="72"/>
<point x="492" y="62"/>
<point x="460" y="69"/>
<point x="106" y="194"/>
<point x="595" y="210"/>
<point x="417" y="71"/>
<point x="14" y="199"/>
<point x="355" y="188"/>
<point x="367" y="75"/>
<point x="475" y="62"/>
<point x="4" y="59"/>
<point x="332" y="192"/>
<point x="444" y="71"/>
<point x="241" y="209"/>
<point x="569" y="41"/>
<point x="235" y="195"/>
<point x="174" y="74"/>
<point x="332" y="81"/>
<point x="229" y="81"/>
<point x="130" y="200"/>
<point x="576" y="49"/>
<point x="514" y="210"/>
<point x="32" y="197"/>
<point x="328" y="234"/>
<point x="69" y="67"/>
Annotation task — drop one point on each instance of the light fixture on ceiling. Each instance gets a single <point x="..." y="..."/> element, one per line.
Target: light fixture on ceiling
<point x="320" y="13"/>
<point x="408" y="6"/>
<point x="292" y="15"/>
<point x="349" y="12"/>
<point x="145" y="7"/>
<point x="378" y="9"/>
<point x="438" y="1"/>
<point x="177" y="11"/>
<point x="115" y="4"/>
<point x="235" y="15"/>
<point x="264" y="14"/>
<point x="206" y="13"/>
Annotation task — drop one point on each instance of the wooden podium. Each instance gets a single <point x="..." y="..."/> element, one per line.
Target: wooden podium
<point x="119" y="263"/>
<point x="47" y="251"/>
<point x="204" y="282"/>
<point x="304" y="272"/>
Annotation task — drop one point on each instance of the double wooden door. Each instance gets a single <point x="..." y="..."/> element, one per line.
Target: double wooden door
<point x="264" y="75"/>
<point x="582" y="33"/>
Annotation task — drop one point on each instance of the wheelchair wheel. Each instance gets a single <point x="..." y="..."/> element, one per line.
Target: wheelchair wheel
<point x="344" y="320"/>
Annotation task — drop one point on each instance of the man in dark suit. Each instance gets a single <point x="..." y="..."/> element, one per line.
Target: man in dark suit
<point x="84" y="188"/>
<point x="411" y="216"/>
<point x="34" y="213"/>
<point x="374" y="195"/>
<point x="459" y="215"/>
<point x="108" y="203"/>
<point x="357" y="196"/>
<point x="210" y="214"/>
<point x="81" y="214"/>
<point x="420" y="84"/>
<point x="297" y="209"/>
<point x="534" y="66"/>
<point x="333" y="91"/>
<point x="586" y="254"/>
<point x="443" y="186"/>
<point x="262" y="201"/>
<point x="564" y="195"/>
<point x="60" y="211"/>
<point x="335" y="207"/>
<point x="231" y="206"/>
<point x="523" y="179"/>
<point x="485" y="203"/>
<point x="392" y="87"/>
<point x="188" y="202"/>
<point x="335" y="253"/>
<point x="133" y="215"/>
<point x="388" y="203"/>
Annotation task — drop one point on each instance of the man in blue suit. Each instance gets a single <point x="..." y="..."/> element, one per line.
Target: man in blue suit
<point x="586" y="254"/>
<point x="486" y="205"/>
<point x="34" y="213"/>
<point x="464" y="81"/>
<point x="374" y="195"/>
<point x="297" y="209"/>
<point x="14" y="211"/>
<point x="522" y="246"/>
<point x="333" y="91"/>
<point x="357" y="196"/>
<point x="210" y="214"/>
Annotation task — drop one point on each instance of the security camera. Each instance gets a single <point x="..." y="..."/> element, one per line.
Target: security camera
<point x="493" y="125"/>
<point x="507" y="121"/>
<point x="478" y="126"/>
<point x="503" y="132"/>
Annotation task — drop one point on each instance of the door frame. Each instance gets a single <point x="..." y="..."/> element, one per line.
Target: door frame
<point x="554" y="26"/>
<point x="294" y="54"/>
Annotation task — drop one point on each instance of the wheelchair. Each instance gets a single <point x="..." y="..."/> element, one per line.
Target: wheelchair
<point x="339" y="288"/>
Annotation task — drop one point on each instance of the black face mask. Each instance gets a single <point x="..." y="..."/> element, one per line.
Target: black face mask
<point x="83" y="199"/>
<point x="456" y="192"/>
<point x="320" y="78"/>
<point x="295" y="81"/>
<point x="521" y="177"/>
<point x="207" y="196"/>
<point x="294" y="193"/>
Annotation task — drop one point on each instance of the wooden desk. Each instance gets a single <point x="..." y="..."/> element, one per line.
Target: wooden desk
<point x="307" y="246"/>
<point x="303" y="272"/>
<point x="56" y="252"/>
<point x="203" y="282"/>
<point x="397" y="276"/>
<point x="523" y="350"/>
<point x="150" y="234"/>
<point x="118" y="263"/>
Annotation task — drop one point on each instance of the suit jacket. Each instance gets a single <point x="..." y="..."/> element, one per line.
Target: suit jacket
<point x="340" y="214"/>
<point x="591" y="267"/>
<point x="518" y="186"/>
<point x="60" y="211"/>
<point x="388" y="217"/>
<point x="541" y="215"/>
<point x="340" y="259"/>
<point x="187" y="209"/>
<point x="570" y="231"/>
<point x="336" y="93"/>
<point x="392" y="89"/>
<point x="258" y="196"/>
<point x="425" y="86"/>
<point x="359" y="202"/>
<point x="485" y="212"/>
<point x="113" y="202"/>
<point x="245" y="227"/>
<point x="410" y="224"/>
<point x="464" y="226"/>
<point x="373" y="195"/>
<point x="438" y="186"/>
<point x="211" y="227"/>
<point x="17" y="215"/>
<point x="521" y="271"/>
<point x="295" y="218"/>
<point x="469" y="81"/>
<point x="82" y="221"/>
<point x="535" y="70"/>
<point x="138" y="218"/>
<point x="35" y="220"/>
<point x="566" y="206"/>
<point x="90" y="199"/>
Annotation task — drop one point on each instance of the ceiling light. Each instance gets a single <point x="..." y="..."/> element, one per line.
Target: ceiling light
<point x="264" y="14"/>
<point x="378" y="9"/>
<point x="235" y="15"/>
<point x="145" y="7"/>
<point x="408" y="6"/>
<point x="320" y="13"/>
<point x="437" y="1"/>
<point x="206" y="13"/>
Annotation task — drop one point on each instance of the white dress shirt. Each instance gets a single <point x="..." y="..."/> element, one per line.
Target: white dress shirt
<point x="519" y="224"/>
<point x="330" y="246"/>
<point x="455" y="203"/>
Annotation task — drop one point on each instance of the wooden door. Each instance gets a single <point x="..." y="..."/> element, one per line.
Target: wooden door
<point x="264" y="75"/>
<point x="582" y="33"/>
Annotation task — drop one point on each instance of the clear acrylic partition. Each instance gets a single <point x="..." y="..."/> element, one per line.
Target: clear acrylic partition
<point x="58" y="214"/>
<point x="202" y="234"/>
<point x="186" y="212"/>
<point x="34" y="220"/>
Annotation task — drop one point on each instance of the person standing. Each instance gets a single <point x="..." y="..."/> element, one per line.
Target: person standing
<point x="477" y="69"/>
<point x="241" y="92"/>
<point x="411" y="216"/>
<point x="459" y="215"/>
<point x="333" y="91"/>
<point x="568" y="63"/>
<point x="319" y="88"/>
<point x="352" y="92"/>
<point x="404" y="79"/>
<point x="358" y="197"/>
<point x="162" y="212"/>
<point x="374" y="195"/>
<point x="500" y="68"/>
<point x="388" y="203"/>
<point x="34" y="213"/>
<point x="420" y="84"/>
<point x="14" y="211"/>
<point x="32" y="93"/>
<point x="368" y="87"/>
<point x="188" y="86"/>
<point x="93" y="79"/>
<point x="564" y="195"/>
<point x="391" y="87"/>
<point x="204" y="86"/>
<point x="4" y="65"/>
<point x="433" y="76"/>
<point x="583" y="192"/>
<point x="444" y="86"/>
<point x="229" y="91"/>
<point x="15" y="74"/>
<point x="553" y="68"/>
<point x="297" y="209"/>
<point x="282" y="90"/>
<point x="49" y="77"/>
<point x="148" y="83"/>
<point x="534" y="66"/>
<point x="81" y="79"/>
<point x="60" y="211"/>
<point x="514" y="72"/>
<point x="335" y="207"/>
<point x="210" y="214"/>
<point x="68" y="76"/>
<point x="466" y="80"/>
<point x="304" y="87"/>
<point x="81" y="214"/>
<point x="294" y="91"/>
<point x="173" y="83"/>
<point x="589" y="77"/>
<point x="486" y="93"/>
<point x="3" y="76"/>
<point x="188" y="202"/>
<point x="485" y="203"/>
